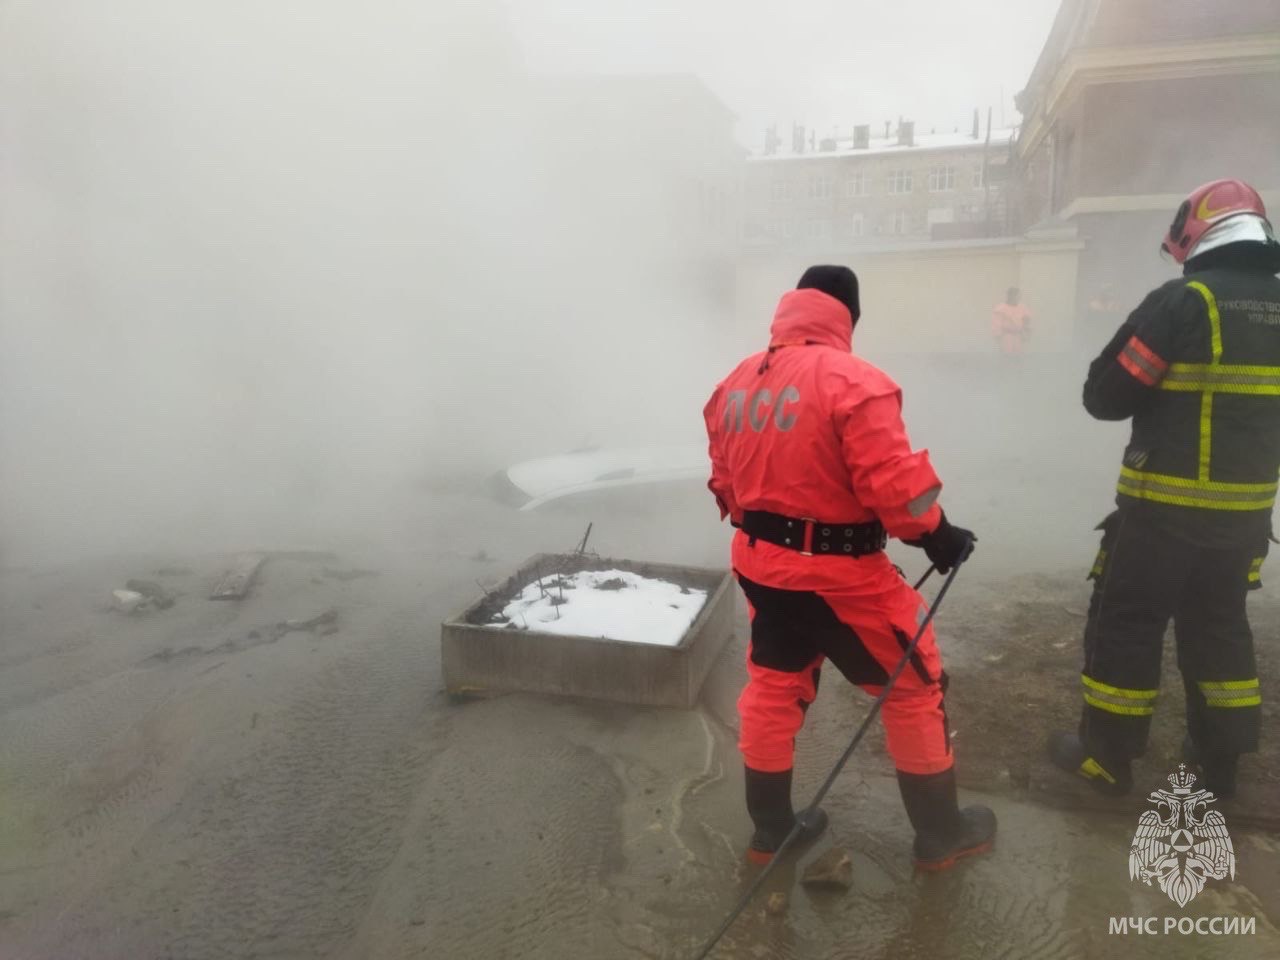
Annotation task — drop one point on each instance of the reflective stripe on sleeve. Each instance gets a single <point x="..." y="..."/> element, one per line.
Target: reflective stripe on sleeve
<point x="1142" y="362"/>
<point x="921" y="505"/>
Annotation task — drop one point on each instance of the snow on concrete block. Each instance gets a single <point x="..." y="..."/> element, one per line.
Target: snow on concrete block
<point x="642" y="633"/>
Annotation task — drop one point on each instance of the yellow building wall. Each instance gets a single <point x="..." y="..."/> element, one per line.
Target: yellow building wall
<point x="934" y="298"/>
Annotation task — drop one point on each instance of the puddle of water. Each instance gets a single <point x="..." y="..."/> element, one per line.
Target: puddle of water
<point x="1047" y="892"/>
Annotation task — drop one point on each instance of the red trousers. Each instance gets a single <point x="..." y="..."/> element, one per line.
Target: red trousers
<point x="861" y="616"/>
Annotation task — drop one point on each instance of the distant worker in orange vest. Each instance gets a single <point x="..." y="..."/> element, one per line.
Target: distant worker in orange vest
<point x="1011" y="323"/>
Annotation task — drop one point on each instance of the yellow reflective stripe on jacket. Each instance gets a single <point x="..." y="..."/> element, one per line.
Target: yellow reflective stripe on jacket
<point x="1118" y="700"/>
<point x="1231" y="693"/>
<point x="1206" y="436"/>
<point x="1209" y="494"/>
<point x="1215" y="318"/>
<point x="1222" y="378"/>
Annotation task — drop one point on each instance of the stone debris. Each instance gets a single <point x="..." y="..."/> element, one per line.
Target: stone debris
<point x="776" y="904"/>
<point x="127" y="601"/>
<point x="161" y="598"/>
<point x="321" y="625"/>
<point x="235" y="583"/>
<point x="833" y="869"/>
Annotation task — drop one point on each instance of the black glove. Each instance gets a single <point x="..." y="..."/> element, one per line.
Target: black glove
<point x="945" y="545"/>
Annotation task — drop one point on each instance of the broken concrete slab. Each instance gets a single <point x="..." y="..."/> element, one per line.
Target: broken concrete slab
<point x="832" y="870"/>
<point x="235" y="583"/>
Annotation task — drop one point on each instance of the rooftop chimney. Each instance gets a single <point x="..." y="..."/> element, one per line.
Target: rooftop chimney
<point x="797" y="138"/>
<point x="975" y="124"/>
<point x="771" y="140"/>
<point x="862" y="136"/>
<point x="906" y="133"/>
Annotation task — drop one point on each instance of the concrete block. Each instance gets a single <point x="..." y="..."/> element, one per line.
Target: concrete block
<point x="479" y="657"/>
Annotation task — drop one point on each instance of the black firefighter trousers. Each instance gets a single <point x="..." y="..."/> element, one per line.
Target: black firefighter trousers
<point x="1144" y="576"/>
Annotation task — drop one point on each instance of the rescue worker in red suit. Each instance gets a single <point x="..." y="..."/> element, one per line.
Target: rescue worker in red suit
<point x="1011" y="323"/>
<point x="1197" y="368"/>
<point x="805" y="429"/>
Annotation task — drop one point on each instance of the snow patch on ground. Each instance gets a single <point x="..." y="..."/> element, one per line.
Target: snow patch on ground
<point x="613" y="604"/>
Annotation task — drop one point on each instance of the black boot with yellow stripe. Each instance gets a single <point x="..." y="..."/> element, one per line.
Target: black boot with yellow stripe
<point x="1109" y="777"/>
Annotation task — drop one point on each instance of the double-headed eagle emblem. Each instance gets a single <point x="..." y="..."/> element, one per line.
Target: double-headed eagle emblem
<point x="1181" y="843"/>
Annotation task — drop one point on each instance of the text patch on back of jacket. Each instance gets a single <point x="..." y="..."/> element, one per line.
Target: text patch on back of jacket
<point x="761" y="410"/>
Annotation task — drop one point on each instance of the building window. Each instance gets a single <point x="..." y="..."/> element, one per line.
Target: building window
<point x="976" y="182"/>
<point x="782" y="190"/>
<point x="940" y="215"/>
<point x="858" y="225"/>
<point x="857" y="185"/>
<point x="900" y="181"/>
<point x="817" y="228"/>
<point x="901" y="223"/>
<point x="942" y="178"/>
<point x="823" y="188"/>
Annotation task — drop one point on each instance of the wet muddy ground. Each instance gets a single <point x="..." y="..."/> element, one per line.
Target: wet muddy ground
<point x="1022" y="644"/>
<point x="191" y="783"/>
<point x="197" y="783"/>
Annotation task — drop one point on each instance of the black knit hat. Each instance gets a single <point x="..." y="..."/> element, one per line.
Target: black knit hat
<point x="838" y="282"/>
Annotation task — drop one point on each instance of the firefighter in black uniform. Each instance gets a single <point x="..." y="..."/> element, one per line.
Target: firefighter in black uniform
<point x="1197" y="367"/>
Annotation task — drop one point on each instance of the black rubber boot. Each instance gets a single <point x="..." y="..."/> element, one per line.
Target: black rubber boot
<point x="769" y="804"/>
<point x="944" y="832"/>
<point x="1108" y="776"/>
<point x="1217" y="771"/>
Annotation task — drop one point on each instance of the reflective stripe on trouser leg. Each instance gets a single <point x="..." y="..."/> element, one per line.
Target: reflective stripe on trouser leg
<point x="1231" y="715"/>
<point x="1216" y="654"/>
<point x="1143" y="579"/>
<point x="1118" y="700"/>
<point x="1224" y="717"/>
<point x="771" y="713"/>
<point x="1230" y="694"/>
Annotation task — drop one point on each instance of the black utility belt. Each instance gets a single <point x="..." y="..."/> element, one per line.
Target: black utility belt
<point x="815" y="537"/>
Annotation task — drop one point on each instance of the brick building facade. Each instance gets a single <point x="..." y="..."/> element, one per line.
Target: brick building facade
<point x="860" y="191"/>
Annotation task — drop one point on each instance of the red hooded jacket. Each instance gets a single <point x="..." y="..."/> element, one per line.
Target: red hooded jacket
<point x="807" y="429"/>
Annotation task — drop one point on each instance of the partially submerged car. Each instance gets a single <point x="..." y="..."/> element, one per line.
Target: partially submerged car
<point x="534" y="483"/>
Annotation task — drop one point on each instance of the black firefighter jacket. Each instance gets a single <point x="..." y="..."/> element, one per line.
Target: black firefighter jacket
<point x="1197" y="367"/>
